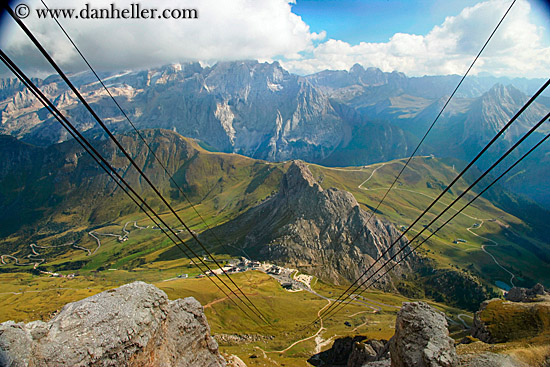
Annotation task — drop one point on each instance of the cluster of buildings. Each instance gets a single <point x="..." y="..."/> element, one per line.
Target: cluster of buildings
<point x="58" y="275"/>
<point x="281" y="274"/>
<point x="275" y="270"/>
<point x="234" y="266"/>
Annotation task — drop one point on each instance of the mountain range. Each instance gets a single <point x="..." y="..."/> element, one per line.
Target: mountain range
<point x="334" y="118"/>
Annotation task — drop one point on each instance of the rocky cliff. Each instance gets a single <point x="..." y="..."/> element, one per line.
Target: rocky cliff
<point x="246" y="107"/>
<point x="323" y="232"/>
<point x="134" y="325"/>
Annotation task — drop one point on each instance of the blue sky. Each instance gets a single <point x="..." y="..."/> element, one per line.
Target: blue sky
<point x="423" y="37"/>
<point x="357" y="21"/>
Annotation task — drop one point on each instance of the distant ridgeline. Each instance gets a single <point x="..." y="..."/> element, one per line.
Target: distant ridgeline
<point x="260" y="110"/>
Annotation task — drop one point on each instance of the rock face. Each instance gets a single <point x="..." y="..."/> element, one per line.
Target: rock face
<point x="421" y="338"/>
<point x="134" y="325"/>
<point x="324" y="232"/>
<point x="352" y="352"/>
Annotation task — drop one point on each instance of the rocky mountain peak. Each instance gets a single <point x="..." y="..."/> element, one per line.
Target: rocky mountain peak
<point x="502" y="92"/>
<point x="489" y="113"/>
<point x="298" y="178"/>
<point x="502" y="99"/>
<point x="322" y="231"/>
<point x="367" y="77"/>
<point x="356" y="69"/>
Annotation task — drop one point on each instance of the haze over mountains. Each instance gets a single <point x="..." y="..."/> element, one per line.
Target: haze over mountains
<point x="260" y="110"/>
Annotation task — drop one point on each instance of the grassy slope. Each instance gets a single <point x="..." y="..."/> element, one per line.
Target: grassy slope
<point x="421" y="182"/>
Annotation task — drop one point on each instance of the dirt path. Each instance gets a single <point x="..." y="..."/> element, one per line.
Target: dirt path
<point x="210" y="304"/>
<point x="321" y="329"/>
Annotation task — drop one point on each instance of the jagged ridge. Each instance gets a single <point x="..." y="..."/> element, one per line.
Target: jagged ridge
<point x="324" y="232"/>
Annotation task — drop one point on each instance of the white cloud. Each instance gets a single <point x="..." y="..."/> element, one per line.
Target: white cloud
<point x="225" y="30"/>
<point x="268" y="30"/>
<point x="516" y="49"/>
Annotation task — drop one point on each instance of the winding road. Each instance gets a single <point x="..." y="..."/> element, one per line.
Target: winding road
<point x="479" y="222"/>
<point x="494" y="244"/>
<point x="33" y="256"/>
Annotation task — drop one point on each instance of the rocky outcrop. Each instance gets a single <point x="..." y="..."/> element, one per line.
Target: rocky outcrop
<point x="134" y="325"/>
<point x="323" y="232"/>
<point x="499" y="321"/>
<point x="367" y="351"/>
<point x="518" y="294"/>
<point x="352" y="352"/>
<point x="421" y="338"/>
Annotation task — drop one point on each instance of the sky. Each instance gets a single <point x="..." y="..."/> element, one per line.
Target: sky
<point x="424" y="37"/>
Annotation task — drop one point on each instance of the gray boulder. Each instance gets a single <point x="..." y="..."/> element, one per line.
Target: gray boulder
<point x="518" y="294"/>
<point x="360" y="354"/>
<point x="134" y="325"/>
<point x="421" y="338"/>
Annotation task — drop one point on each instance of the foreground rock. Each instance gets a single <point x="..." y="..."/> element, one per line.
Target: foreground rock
<point x="134" y="325"/>
<point x="421" y="338"/>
